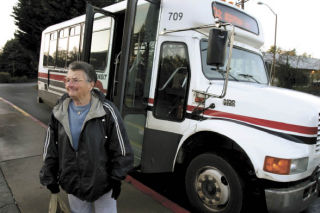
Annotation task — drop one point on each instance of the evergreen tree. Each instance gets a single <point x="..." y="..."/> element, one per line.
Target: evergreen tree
<point x="15" y="60"/>
<point x="33" y="16"/>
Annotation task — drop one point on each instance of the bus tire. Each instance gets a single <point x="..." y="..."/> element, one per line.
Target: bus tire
<point x="212" y="185"/>
<point x="39" y="100"/>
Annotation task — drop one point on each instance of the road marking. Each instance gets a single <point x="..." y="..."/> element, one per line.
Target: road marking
<point x="24" y="112"/>
<point x="14" y="106"/>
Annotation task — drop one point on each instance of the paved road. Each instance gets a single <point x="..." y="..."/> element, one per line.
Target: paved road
<point x="25" y="96"/>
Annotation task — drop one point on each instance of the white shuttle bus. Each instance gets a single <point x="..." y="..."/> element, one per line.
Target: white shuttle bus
<point x="194" y="93"/>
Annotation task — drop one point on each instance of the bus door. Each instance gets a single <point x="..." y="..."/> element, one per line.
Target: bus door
<point x="128" y="62"/>
<point x="97" y="42"/>
<point x="132" y="94"/>
<point x="166" y="121"/>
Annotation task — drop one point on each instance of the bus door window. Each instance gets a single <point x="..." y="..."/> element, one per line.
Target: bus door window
<point x="141" y="57"/>
<point x="137" y="85"/>
<point x="100" y="43"/>
<point x="172" y="83"/>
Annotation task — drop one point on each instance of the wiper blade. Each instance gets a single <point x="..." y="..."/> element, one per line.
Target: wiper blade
<point x="249" y="76"/>
<point x="222" y="72"/>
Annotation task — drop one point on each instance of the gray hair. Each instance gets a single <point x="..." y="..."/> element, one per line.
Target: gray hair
<point x="86" y="68"/>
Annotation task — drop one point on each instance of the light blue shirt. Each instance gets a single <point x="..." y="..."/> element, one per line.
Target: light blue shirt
<point x="77" y="114"/>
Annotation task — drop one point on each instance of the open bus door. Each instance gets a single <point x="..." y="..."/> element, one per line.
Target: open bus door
<point x="134" y="75"/>
<point x="130" y="78"/>
<point x="98" y="41"/>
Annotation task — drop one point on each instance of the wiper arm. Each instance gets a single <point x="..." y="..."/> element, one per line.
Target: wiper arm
<point x="222" y="72"/>
<point x="249" y="76"/>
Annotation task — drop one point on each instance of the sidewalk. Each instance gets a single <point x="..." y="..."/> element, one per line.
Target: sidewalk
<point x="21" y="141"/>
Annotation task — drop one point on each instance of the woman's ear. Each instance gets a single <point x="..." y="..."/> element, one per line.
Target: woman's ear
<point x="92" y="84"/>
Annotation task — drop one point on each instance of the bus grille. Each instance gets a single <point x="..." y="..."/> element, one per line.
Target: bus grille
<point x="318" y="137"/>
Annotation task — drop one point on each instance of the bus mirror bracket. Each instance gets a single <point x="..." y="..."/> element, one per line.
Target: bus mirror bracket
<point x="219" y="58"/>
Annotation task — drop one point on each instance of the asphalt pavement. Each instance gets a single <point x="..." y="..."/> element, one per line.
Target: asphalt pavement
<point x="21" y="142"/>
<point x="21" y="138"/>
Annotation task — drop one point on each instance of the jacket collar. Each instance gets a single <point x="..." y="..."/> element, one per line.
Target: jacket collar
<point x="60" y="111"/>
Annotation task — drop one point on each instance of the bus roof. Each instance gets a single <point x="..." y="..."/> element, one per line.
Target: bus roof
<point x="178" y="15"/>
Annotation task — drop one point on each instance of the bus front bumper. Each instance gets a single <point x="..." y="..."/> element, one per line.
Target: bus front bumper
<point x="293" y="199"/>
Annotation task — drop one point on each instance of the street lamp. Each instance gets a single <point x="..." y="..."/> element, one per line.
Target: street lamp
<point x="272" y="74"/>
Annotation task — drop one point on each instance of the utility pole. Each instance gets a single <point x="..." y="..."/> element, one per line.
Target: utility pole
<point x="241" y="3"/>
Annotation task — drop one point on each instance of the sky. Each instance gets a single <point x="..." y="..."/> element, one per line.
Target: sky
<point x="297" y="23"/>
<point x="6" y="21"/>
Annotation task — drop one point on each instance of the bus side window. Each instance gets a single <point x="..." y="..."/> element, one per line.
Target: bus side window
<point x="172" y="83"/>
<point x="62" y="48"/>
<point x="52" y="49"/>
<point x="73" y="45"/>
<point x="46" y="49"/>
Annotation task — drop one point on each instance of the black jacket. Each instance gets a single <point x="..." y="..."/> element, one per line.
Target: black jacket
<point x="104" y="150"/>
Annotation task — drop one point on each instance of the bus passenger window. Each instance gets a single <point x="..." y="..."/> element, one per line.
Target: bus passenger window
<point x="46" y="50"/>
<point x="62" y="48"/>
<point x="173" y="74"/>
<point x="52" y="49"/>
<point x="73" y="46"/>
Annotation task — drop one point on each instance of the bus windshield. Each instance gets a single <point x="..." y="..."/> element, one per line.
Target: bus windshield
<point x="244" y="66"/>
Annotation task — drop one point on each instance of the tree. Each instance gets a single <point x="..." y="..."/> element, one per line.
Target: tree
<point x="271" y="50"/>
<point x="288" y="68"/>
<point x="33" y="16"/>
<point x="15" y="60"/>
<point x="306" y="55"/>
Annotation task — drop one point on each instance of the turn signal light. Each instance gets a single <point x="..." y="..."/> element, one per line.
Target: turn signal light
<point x="199" y="99"/>
<point x="277" y="165"/>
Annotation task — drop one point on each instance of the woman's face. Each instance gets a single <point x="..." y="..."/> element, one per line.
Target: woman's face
<point x="77" y="85"/>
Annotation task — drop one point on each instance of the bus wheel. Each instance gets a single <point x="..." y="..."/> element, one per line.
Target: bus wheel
<point x="212" y="185"/>
<point x="39" y="100"/>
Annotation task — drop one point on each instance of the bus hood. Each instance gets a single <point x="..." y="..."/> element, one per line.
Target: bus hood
<point x="287" y="113"/>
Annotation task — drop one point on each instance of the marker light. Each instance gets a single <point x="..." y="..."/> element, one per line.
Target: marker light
<point x="285" y="166"/>
<point x="277" y="165"/>
<point x="199" y="99"/>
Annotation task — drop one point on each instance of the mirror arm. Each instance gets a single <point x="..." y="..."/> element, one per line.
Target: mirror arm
<point x="225" y="85"/>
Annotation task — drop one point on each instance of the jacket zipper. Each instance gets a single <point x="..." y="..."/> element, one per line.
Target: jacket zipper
<point x="78" y="168"/>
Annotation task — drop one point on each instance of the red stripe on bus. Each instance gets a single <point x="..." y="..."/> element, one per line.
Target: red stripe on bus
<point x="52" y="76"/>
<point x="261" y="122"/>
<point x="151" y="101"/>
<point x="62" y="77"/>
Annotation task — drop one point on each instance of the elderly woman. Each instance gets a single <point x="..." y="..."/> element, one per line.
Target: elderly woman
<point x="86" y="149"/>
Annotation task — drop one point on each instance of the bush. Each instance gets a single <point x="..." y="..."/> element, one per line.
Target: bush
<point x="21" y="79"/>
<point x="4" y="77"/>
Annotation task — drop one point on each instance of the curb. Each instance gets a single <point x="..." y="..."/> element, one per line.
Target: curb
<point x="138" y="185"/>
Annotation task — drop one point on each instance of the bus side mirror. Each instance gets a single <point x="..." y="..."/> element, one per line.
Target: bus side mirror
<point x="217" y="45"/>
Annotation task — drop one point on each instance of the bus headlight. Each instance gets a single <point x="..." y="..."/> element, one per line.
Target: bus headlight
<point x="299" y="165"/>
<point x="285" y="166"/>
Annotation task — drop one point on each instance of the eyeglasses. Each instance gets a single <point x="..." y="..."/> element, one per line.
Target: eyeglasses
<point x="72" y="80"/>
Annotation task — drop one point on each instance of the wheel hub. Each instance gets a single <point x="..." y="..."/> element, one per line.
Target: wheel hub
<point x="212" y="187"/>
